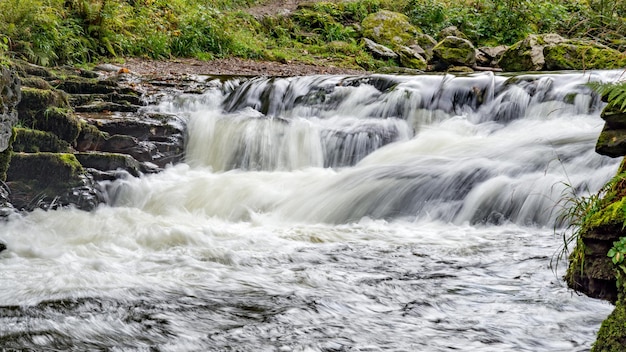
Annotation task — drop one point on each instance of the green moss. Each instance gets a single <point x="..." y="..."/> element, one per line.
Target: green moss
<point x="581" y="56"/>
<point x="389" y="28"/>
<point x="612" y="333"/>
<point x="33" y="141"/>
<point x="35" y="82"/>
<point x="610" y="215"/>
<point x="49" y="170"/>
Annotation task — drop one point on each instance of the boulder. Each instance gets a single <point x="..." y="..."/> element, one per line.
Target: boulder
<point x="389" y="28"/>
<point x="426" y="43"/>
<point x="451" y="31"/>
<point x="489" y="56"/>
<point x="455" y="51"/>
<point x="527" y="54"/>
<point x="409" y="58"/>
<point x="582" y="55"/>
<point x="612" y="139"/>
<point x="379" y="51"/>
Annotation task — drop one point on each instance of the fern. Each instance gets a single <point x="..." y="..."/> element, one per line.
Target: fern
<point x="613" y="93"/>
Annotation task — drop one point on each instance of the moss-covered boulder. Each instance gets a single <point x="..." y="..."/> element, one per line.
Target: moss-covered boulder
<point x="48" y="180"/>
<point x="389" y="28"/>
<point x="409" y="58"/>
<point x="612" y="139"/>
<point x="48" y="110"/>
<point x="34" y="141"/>
<point x="455" y="51"/>
<point x="527" y="54"/>
<point x="579" y="55"/>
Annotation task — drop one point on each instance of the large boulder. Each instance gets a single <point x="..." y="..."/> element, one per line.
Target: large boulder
<point x="582" y="55"/>
<point x="455" y="51"/>
<point x="527" y="54"/>
<point x="389" y="28"/>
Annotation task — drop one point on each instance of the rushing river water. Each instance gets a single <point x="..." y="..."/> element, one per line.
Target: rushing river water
<point x="327" y="213"/>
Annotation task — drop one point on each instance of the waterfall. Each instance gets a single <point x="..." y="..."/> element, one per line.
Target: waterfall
<point x="473" y="149"/>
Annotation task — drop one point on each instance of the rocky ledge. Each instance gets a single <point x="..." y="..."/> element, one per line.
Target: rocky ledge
<point x="64" y="129"/>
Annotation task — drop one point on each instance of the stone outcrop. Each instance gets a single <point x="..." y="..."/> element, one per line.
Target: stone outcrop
<point x="81" y="127"/>
<point x="590" y="270"/>
<point x="10" y="96"/>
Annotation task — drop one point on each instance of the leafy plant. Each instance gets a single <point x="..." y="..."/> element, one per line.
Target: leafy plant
<point x="618" y="257"/>
<point x="614" y="93"/>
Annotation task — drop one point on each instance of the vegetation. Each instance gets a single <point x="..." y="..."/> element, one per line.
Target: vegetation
<point x="50" y="32"/>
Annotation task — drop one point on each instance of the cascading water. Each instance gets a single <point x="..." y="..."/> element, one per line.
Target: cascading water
<point x="327" y="213"/>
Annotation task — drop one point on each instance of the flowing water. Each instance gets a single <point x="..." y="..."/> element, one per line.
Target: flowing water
<point x="327" y="213"/>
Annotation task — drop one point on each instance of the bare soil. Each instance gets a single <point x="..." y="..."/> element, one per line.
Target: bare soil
<point x="229" y="67"/>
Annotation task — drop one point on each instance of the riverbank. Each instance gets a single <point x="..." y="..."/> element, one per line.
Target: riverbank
<point x="228" y="67"/>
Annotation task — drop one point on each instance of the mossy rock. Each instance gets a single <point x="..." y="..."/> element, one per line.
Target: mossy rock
<point x="36" y="100"/>
<point x="578" y="55"/>
<point x="390" y="29"/>
<point x="611" y="142"/>
<point x="46" y="169"/>
<point x="36" y="82"/>
<point x="109" y="162"/>
<point x="614" y="117"/>
<point x="527" y="54"/>
<point x="60" y="121"/>
<point x="612" y="333"/>
<point x="5" y="160"/>
<point x="411" y="59"/>
<point x="455" y="51"/>
<point x="427" y="43"/>
<point x="34" y="141"/>
<point x="90" y="137"/>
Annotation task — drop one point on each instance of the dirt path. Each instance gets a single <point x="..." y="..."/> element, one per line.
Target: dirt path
<point x="229" y="66"/>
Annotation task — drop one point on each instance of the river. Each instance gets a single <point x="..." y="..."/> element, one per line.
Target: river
<point x="327" y="213"/>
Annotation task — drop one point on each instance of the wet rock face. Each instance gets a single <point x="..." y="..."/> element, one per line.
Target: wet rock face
<point x="10" y="96"/>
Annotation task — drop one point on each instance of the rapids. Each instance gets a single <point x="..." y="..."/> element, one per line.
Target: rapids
<point x="327" y="213"/>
